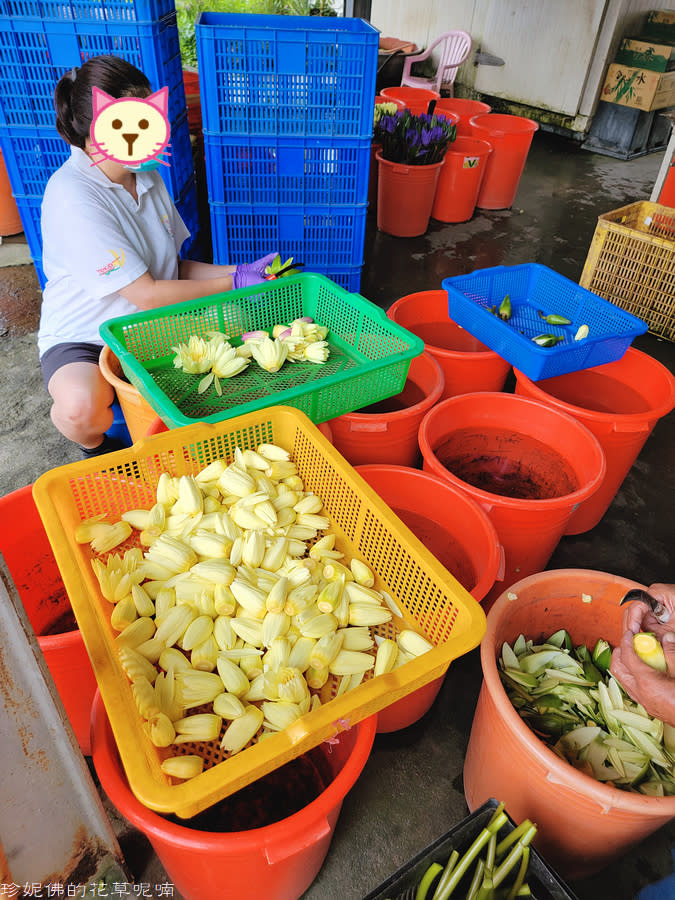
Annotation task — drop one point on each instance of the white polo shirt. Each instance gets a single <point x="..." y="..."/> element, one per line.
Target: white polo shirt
<point x="96" y="240"/>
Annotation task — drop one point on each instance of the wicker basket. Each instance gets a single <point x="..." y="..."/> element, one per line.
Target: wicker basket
<point x="631" y="262"/>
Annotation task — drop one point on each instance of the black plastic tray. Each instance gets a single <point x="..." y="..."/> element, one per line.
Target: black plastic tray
<point x="544" y="882"/>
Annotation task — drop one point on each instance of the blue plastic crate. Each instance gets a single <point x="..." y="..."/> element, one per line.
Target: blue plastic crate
<point x="31" y="156"/>
<point x="35" y="53"/>
<point x="287" y="171"/>
<point x="310" y="76"/>
<point x="187" y="206"/>
<point x="319" y="236"/>
<point x="180" y="172"/>
<point x="533" y="290"/>
<point x="30" y="210"/>
<point x="94" y="10"/>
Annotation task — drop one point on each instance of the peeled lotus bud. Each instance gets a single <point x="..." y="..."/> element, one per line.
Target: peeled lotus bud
<point x="172" y="626"/>
<point x="150" y="649"/>
<point x="242" y="730"/>
<point x="224" y="602"/>
<point x="203" y="657"/>
<point x="362" y="574"/>
<point x="291" y="684"/>
<point x="316" y="678"/>
<point x="235" y="481"/>
<point x="124" y="613"/>
<point x="142" y="601"/>
<point x="184" y="767"/>
<point x="368" y="614"/>
<point x="195" y="688"/>
<point x="235" y="680"/>
<point x="279" y="714"/>
<point x="227" y="706"/>
<point x="198" y="727"/>
<point x="273" y="452"/>
<point x="317" y="352"/>
<point x="385" y="658"/>
<point x="136" y="666"/>
<point x="144" y="697"/>
<point x="212" y="472"/>
<point x="172" y="659"/>
<point x="197" y="632"/>
<point x="190" y="498"/>
<point x="160" y="730"/>
<point x="251" y="598"/>
<point x="209" y="544"/>
<point x="349" y="662"/>
<point x="650" y="650"/>
<point x="356" y="638"/>
<point x="111" y="537"/>
<point x="137" y="518"/>
<point x="248" y="629"/>
<point x="136" y="632"/>
<point x="412" y="642"/>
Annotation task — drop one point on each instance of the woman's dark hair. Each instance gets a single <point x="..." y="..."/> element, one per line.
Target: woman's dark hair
<point x="73" y="96"/>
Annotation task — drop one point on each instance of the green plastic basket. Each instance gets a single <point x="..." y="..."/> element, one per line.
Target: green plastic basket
<point x="368" y="361"/>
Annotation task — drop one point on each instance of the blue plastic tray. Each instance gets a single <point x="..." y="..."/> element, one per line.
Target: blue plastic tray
<point x="308" y="76"/>
<point x="536" y="289"/>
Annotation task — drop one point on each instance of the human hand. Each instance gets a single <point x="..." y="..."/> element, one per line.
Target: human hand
<point x="652" y="689"/>
<point x="250" y="274"/>
<point x="639" y="617"/>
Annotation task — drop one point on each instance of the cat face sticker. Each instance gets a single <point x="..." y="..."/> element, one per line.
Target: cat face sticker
<point x="130" y="130"/>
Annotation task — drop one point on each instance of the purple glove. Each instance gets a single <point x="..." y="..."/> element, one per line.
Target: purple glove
<point x="250" y="274"/>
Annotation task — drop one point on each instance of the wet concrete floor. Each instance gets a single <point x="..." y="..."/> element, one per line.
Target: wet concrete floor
<point x="411" y="790"/>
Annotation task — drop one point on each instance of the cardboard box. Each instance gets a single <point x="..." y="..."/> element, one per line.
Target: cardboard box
<point x="641" y="53"/>
<point x="660" y="24"/>
<point x="638" y="88"/>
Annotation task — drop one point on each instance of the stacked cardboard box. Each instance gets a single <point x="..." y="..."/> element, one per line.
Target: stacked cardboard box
<point x="642" y="75"/>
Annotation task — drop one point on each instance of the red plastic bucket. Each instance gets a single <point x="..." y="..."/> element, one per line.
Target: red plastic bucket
<point x="620" y="403"/>
<point x="467" y="364"/>
<point x="510" y="138"/>
<point x="28" y="556"/>
<point x="465" y="109"/>
<point x="387" y="431"/>
<point x="405" y="195"/>
<point x="416" y="99"/>
<point x="10" y="220"/>
<point x="458" y="533"/>
<point x="582" y="824"/>
<point x="279" y="860"/>
<point x="460" y="180"/>
<point x="527" y="464"/>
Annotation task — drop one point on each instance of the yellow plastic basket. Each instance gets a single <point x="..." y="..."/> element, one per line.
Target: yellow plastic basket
<point x="631" y="262"/>
<point x="429" y="597"/>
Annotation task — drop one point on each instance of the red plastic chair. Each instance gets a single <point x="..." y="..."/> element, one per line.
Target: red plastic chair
<point x="454" y="48"/>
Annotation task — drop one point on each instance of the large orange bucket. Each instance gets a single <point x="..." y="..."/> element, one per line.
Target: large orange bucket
<point x="460" y="180"/>
<point x="138" y="413"/>
<point x="467" y="364"/>
<point x="28" y="556"/>
<point x="527" y="465"/>
<point x="279" y="860"/>
<point x="460" y="536"/>
<point x="405" y="195"/>
<point x="465" y="109"/>
<point x="582" y="824"/>
<point x="620" y="403"/>
<point x="416" y="99"/>
<point x="387" y="431"/>
<point x="510" y="138"/>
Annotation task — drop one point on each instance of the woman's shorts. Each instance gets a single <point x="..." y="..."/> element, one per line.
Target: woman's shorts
<point x="62" y="354"/>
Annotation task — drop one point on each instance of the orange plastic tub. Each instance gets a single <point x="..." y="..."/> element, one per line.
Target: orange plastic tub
<point x="510" y="138"/>
<point x="465" y="109"/>
<point x="138" y="413"/>
<point x="387" y="431"/>
<point x="527" y="465"/>
<point x="620" y="402"/>
<point x="279" y="860"/>
<point x="405" y="195"/>
<point x="28" y="556"/>
<point x="467" y="364"/>
<point x="457" y="532"/>
<point x="583" y="825"/>
<point x="460" y="179"/>
<point x="416" y="99"/>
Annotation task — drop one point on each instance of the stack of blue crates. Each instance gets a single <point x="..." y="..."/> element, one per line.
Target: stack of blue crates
<point x="287" y="109"/>
<point x="40" y="40"/>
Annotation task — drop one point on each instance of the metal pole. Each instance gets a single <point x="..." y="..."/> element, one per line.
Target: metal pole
<point x="357" y="9"/>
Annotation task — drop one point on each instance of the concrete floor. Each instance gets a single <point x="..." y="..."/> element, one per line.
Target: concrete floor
<point x="410" y="791"/>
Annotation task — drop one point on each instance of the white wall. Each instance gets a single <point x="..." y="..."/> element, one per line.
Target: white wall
<point x="556" y="52"/>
